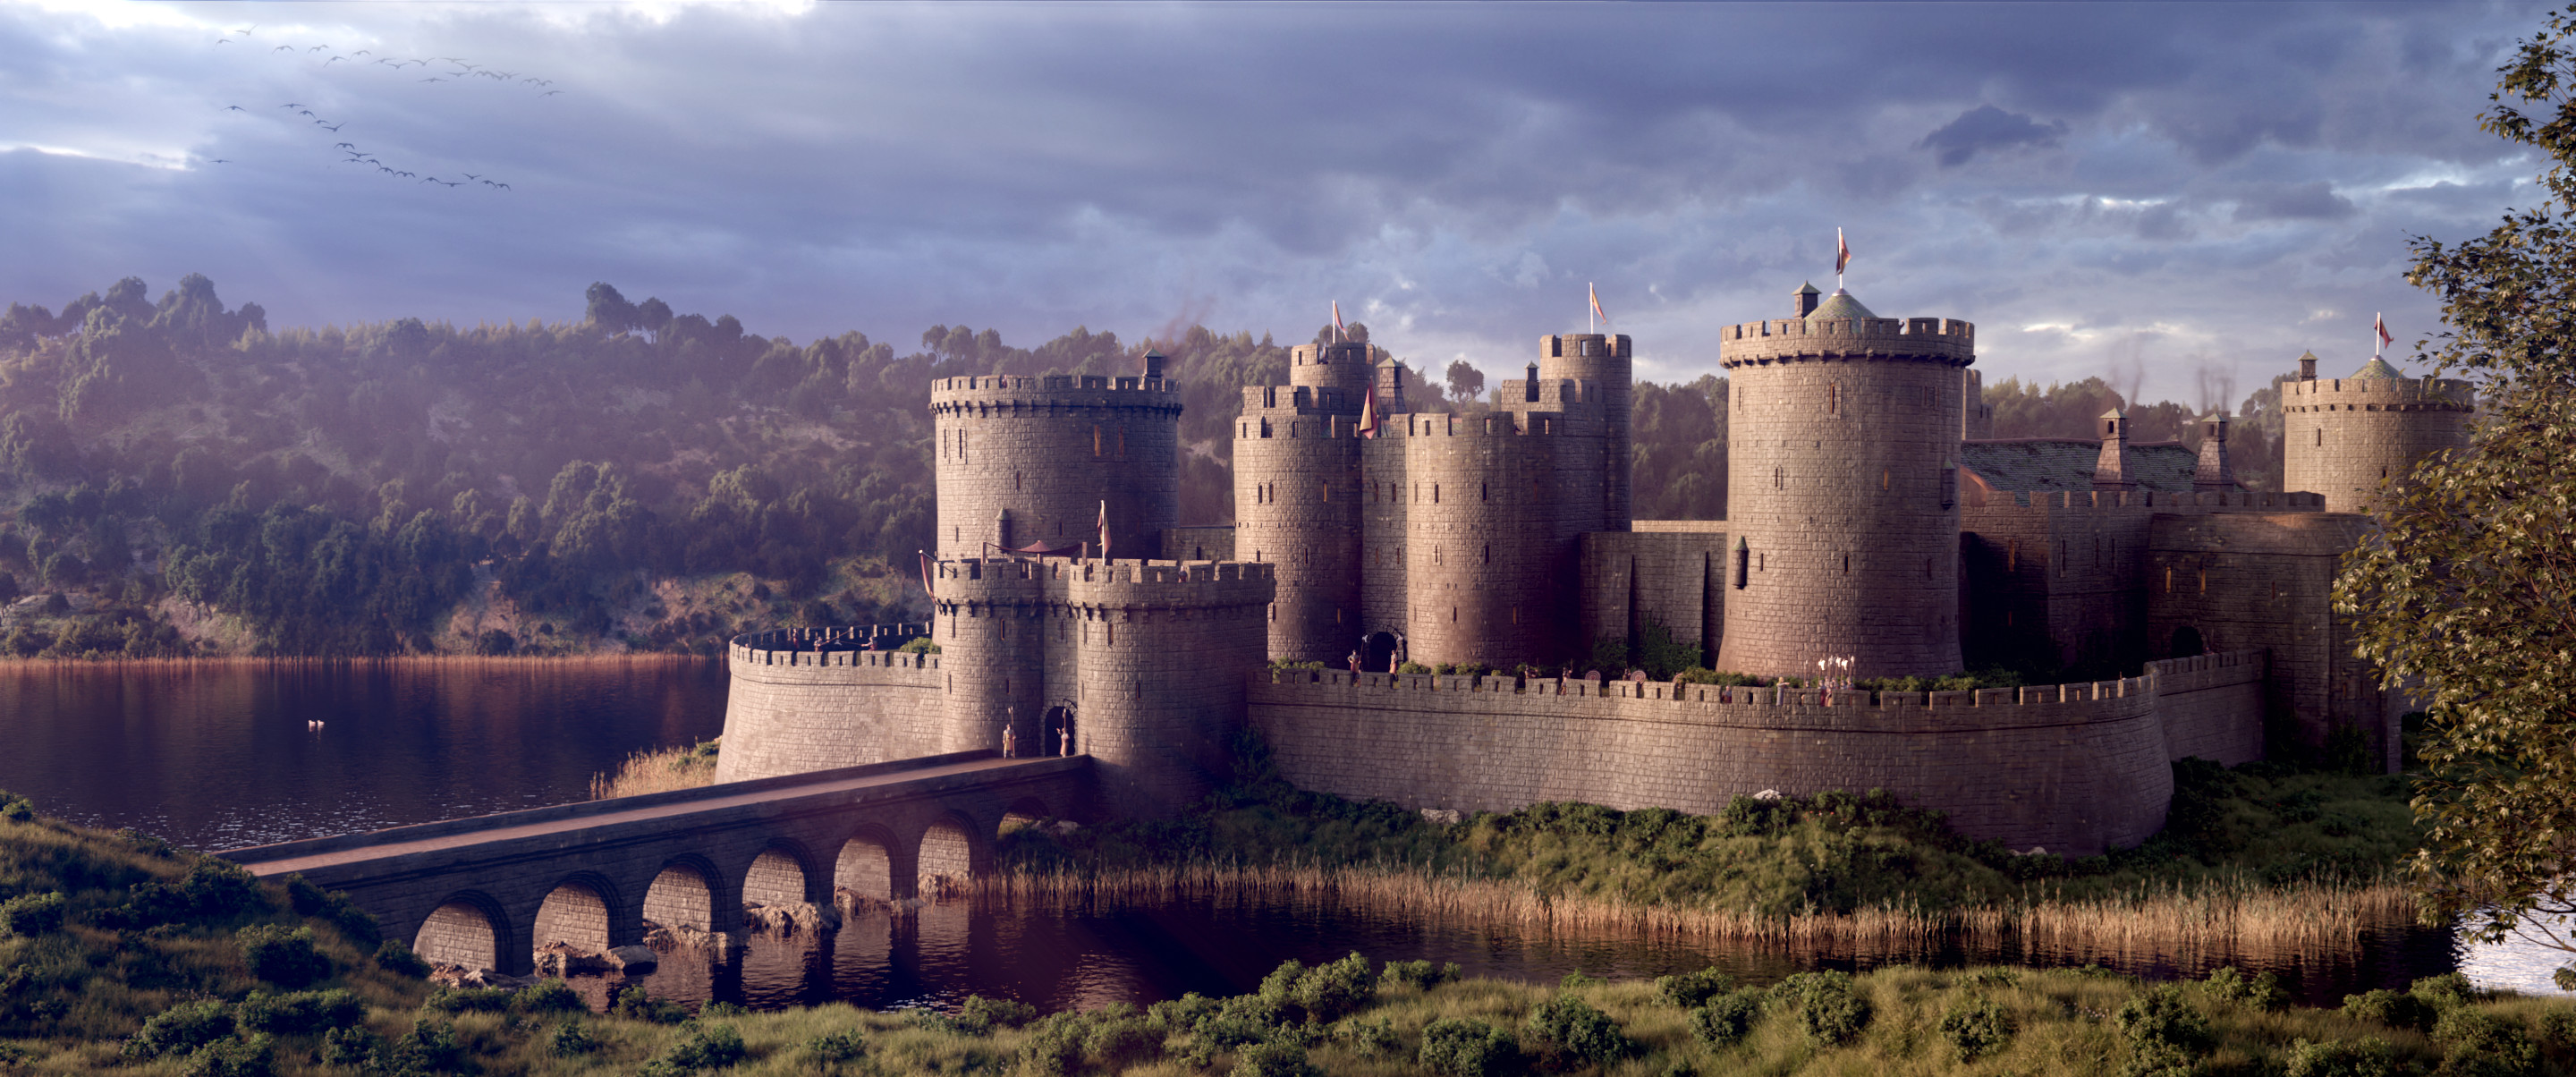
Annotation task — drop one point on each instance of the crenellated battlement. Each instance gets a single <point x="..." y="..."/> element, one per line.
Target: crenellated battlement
<point x="1001" y="586"/>
<point x="841" y="646"/>
<point x="1285" y="400"/>
<point x="1943" y="340"/>
<point x="2378" y="394"/>
<point x="2144" y="500"/>
<point x="1011" y="394"/>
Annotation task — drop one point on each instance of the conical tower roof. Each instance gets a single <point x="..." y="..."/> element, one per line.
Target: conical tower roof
<point x="2377" y="368"/>
<point x="1840" y="305"/>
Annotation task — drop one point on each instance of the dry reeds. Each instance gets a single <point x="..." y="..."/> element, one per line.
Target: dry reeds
<point x="2217" y="920"/>
<point x="656" y="770"/>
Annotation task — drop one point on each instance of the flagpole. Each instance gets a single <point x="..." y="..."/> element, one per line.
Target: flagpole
<point x="1591" y="324"/>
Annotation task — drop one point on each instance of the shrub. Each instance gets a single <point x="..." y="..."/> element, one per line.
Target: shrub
<point x="213" y="892"/>
<point x="1977" y="1028"/>
<point x="1370" y="1039"/>
<point x="1691" y="990"/>
<point x="979" y="1016"/>
<point x="832" y="1048"/>
<point x="2370" y="1057"/>
<point x="1464" y="1048"/>
<point x="2394" y="1009"/>
<point x="233" y="1058"/>
<point x="468" y="999"/>
<point x="282" y="957"/>
<point x="1421" y="974"/>
<point x="1274" y="1058"/>
<point x="1328" y="992"/>
<point x="30" y="915"/>
<point x="2476" y="1043"/>
<point x="1122" y="1041"/>
<point x="549" y="995"/>
<point x="2445" y="991"/>
<point x="2166" y="1036"/>
<point x="1828" y="1008"/>
<point x="430" y="1047"/>
<point x="301" y="1013"/>
<point x="1570" y="1030"/>
<point x="17" y="809"/>
<point x="2261" y="991"/>
<point x="334" y="907"/>
<point x="571" y="1040"/>
<point x="712" y="1047"/>
<point x="355" y="1047"/>
<point x="181" y="1029"/>
<point x="633" y="1003"/>
<point x="1726" y="1018"/>
<point x="918" y="645"/>
<point x="394" y="957"/>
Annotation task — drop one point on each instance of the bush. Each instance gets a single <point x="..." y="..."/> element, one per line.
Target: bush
<point x="1728" y="1017"/>
<point x="1691" y="990"/>
<point x="713" y="1047"/>
<point x="30" y="915"/>
<point x="1370" y="1039"/>
<point x="181" y="1029"/>
<point x="2166" y="1036"/>
<point x="2261" y="991"/>
<point x="634" y="1004"/>
<point x="1569" y="1030"/>
<point x="2391" y="1008"/>
<point x="979" y="1016"/>
<point x="1828" y="1008"/>
<point x="2445" y="991"/>
<point x="546" y="996"/>
<point x="1977" y="1028"/>
<point x="1274" y="1058"/>
<point x="2476" y="1043"/>
<point x="430" y="1047"/>
<point x="1464" y="1048"/>
<point x="1119" y="1042"/>
<point x="394" y="957"/>
<point x="1421" y="974"/>
<point x="2372" y="1057"/>
<point x="571" y="1040"/>
<point x="355" y="1047"/>
<point x="832" y="1048"/>
<point x="301" y="1013"/>
<point x="1325" y="993"/>
<point x="918" y="645"/>
<point x="467" y="999"/>
<point x="213" y="892"/>
<point x="233" y="1058"/>
<point x="282" y="957"/>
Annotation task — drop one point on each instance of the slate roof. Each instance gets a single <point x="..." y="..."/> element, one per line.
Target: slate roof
<point x="2377" y="368"/>
<point x="1840" y="305"/>
<point x="2052" y="464"/>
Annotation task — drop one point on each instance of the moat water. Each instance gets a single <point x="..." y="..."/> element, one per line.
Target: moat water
<point x="216" y="756"/>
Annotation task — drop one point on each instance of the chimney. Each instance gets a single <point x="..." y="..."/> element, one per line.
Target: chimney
<point x="2307" y="366"/>
<point x="2111" y="470"/>
<point x="2215" y="472"/>
<point x="1153" y="363"/>
<point x="1002" y="528"/>
<point x="1807" y="298"/>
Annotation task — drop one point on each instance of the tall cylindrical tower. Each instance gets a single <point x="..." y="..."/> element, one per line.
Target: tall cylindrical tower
<point x="990" y="620"/>
<point x="1843" y="443"/>
<point x="1488" y="542"/>
<point x="1164" y="654"/>
<point x="1297" y="496"/>
<point x="1601" y="364"/>
<point x="1021" y="460"/>
<point x="2346" y="436"/>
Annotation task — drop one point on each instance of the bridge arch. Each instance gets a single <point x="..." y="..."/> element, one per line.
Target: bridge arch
<point x="782" y="874"/>
<point x="685" y="894"/>
<point x="468" y="928"/>
<point x="869" y="864"/>
<point x="1026" y="811"/>
<point x="580" y="911"/>
<point x="953" y="849"/>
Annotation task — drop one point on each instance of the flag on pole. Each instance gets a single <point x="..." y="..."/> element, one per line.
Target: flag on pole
<point x="925" y="571"/>
<point x="1595" y="293"/>
<point x="1842" y="256"/>
<point x="1337" y="321"/>
<point x="2379" y="325"/>
<point x="1104" y="530"/>
<point x="1368" y="407"/>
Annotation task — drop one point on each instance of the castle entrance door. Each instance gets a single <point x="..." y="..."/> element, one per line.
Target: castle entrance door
<point x="1379" y="653"/>
<point x="2186" y="642"/>
<point x="1058" y="732"/>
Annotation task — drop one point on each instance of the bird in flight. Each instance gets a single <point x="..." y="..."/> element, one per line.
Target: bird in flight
<point x="360" y="52"/>
<point x="550" y="93"/>
<point x="470" y="175"/>
<point x="235" y="108"/>
<point x="333" y="60"/>
<point x="292" y="104"/>
<point x="223" y="160"/>
<point x="349" y="146"/>
<point x="496" y="186"/>
<point x="334" y="128"/>
<point x="306" y="112"/>
<point x="455" y="183"/>
<point x="433" y="80"/>
<point x="283" y="48"/>
<point x="317" y="48"/>
<point x="223" y="41"/>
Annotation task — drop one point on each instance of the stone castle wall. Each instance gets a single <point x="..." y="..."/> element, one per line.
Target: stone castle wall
<point x="791" y="711"/>
<point x="1842" y="482"/>
<point x="2076" y="768"/>
<point x="1667" y="572"/>
<point x="2343" y="437"/>
<point x="1037" y="456"/>
<point x="1298" y="491"/>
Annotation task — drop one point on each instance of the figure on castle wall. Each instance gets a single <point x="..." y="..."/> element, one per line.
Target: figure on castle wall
<point x="1010" y="736"/>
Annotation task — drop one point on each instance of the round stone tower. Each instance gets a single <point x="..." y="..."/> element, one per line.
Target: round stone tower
<point x="1600" y="362"/>
<point x="1297" y="495"/>
<point x="991" y="625"/>
<point x="1027" y="460"/>
<point x="2346" y="436"/>
<point x="1162" y="665"/>
<point x="1843" y="443"/>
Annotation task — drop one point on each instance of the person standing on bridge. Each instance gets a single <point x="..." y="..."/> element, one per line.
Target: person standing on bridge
<point x="1010" y="732"/>
<point x="1064" y="740"/>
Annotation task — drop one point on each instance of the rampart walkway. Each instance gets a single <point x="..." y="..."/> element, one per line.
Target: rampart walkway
<point x="488" y="892"/>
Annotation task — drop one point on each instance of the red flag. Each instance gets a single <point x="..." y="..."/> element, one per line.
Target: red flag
<point x="1842" y="253"/>
<point x="2380" y="325"/>
<point x="1596" y="304"/>
<point x="1337" y="320"/>
<point x="925" y="572"/>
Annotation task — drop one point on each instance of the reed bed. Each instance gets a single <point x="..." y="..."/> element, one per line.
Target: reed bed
<point x="2219" y="918"/>
<point x="655" y="770"/>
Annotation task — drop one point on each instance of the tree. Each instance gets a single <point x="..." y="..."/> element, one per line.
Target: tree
<point x="1466" y="383"/>
<point x="609" y="310"/>
<point x="2462" y="596"/>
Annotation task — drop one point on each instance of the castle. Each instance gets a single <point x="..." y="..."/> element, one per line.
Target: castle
<point x="1874" y="530"/>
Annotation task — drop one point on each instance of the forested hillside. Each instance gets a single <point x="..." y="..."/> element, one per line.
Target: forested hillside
<point x="178" y="477"/>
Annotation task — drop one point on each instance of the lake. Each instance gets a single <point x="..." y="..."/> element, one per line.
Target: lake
<point x="220" y="755"/>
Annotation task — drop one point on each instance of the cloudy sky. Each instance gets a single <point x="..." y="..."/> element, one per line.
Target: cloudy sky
<point x="2164" y="194"/>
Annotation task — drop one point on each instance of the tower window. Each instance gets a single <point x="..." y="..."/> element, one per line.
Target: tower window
<point x="1435" y="493"/>
<point x="1883" y="478"/>
<point x="2321" y="435"/>
<point x="1846" y="564"/>
<point x="1778" y="479"/>
<point x="1485" y="490"/>
<point x="1015" y="480"/>
<point x="1095" y="443"/>
<point x="1834" y="399"/>
<point x="1489" y="553"/>
<point x="1328" y="493"/>
<point x="2012" y="555"/>
<point x="1122" y="443"/>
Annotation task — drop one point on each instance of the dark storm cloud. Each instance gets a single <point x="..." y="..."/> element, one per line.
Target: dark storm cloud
<point x="1458" y="173"/>
<point x="1984" y="128"/>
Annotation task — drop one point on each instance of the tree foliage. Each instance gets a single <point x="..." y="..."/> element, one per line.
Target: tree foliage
<point x="2463" y="596"/>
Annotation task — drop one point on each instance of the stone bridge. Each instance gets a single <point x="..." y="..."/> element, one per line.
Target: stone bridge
<point x="490" y="891"/>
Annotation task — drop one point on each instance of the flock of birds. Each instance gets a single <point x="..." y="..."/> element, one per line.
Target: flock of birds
<point x="460" y="70"/>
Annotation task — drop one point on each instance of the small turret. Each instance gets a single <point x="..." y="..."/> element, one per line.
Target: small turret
<point x="1153" y="363"/>
<point x="1529" y="388"/>
<point x="2307" y="366"/>
<point x="1805" y="300"/>
<point x="2111" y="471"/>
<point x="2215" y="473"/>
